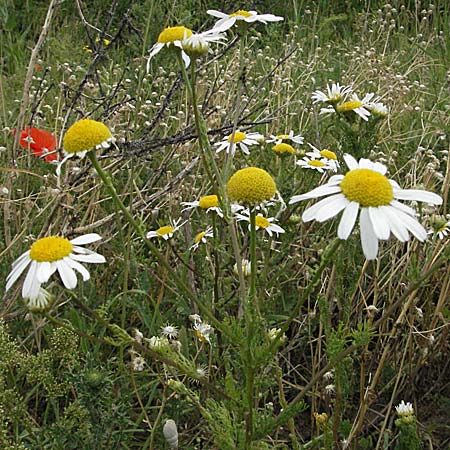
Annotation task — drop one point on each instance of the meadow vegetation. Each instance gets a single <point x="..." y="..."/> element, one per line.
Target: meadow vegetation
<point x="222" y="312"/>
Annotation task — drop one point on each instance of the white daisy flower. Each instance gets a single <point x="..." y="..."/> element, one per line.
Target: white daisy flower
<point x="241" y="139"/>
<point x="201" y="238"/>
<point x="334" y="94"/>
<point x="280" y="138"/>
<point x="169" y="331"/>
<point x="207" y="202"/>
<point x="171" y="37"/>
<point x="326" y="154"/>
<point x="51" y="254"/>
<point x="261" y="222"/>
<point x="156" y="342"/>
<point x="404" y="409"/>
<point x="228" y="20"/>
<point x="316" y="164"/>
<point x="365" y="187"/>
<point x="202" y="331"/>
<point x="167" y="231"/>
<point x="137" y="362"/>
<point x="357" y="105"/>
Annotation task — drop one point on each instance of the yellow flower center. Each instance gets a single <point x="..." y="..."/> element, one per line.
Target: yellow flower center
<point x="349" y="106"/>
<point x="172" y="34"/>
<point x="239" y="136"/>
<point x="50" y="249"/>
<point x="283" y="136"/>
<point x="200" y="336"/>
<point x="199" y="237"/>
<point x="283" y="148"/>
<point x="316" y="163"/>
<point x="208" y="201"/>
<point x="367" y="187"/>
<point x="84" y="135"/>
<point x="164" y="230"/>
<point x="251" y="185"/>
<point x="328" y="154"/>
<point x="261" y="222"/>
<point x="241" y="12"/>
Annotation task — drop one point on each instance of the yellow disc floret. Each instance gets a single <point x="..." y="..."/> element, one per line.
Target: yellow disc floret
<point x="283" y="148"/>
<point x="328" y="154"/>
<point x="172" y="34"/>
<point x="251" y="185"/>
<point x="239" y="136"/>
<point x="367" y="187"/>
<point x="283" y="136"/>
<point x="241" y="12"/>
<point x="199" y="237"/>
<point x="349" y="106"/>
<point x="261" y="222"/>
<point x="208" y="201"/>
<point x="86" y="134"/>
<point x="50" y="249"/>
<point x="316" y="163"/>
<point x="164" y="230"/>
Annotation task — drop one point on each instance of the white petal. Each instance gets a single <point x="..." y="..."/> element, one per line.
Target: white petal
<point x="312" y="212"/>
<point x="351" y="162"/>
<point x="17" y="271"/>
<point x="186" y="59"/>
<point x="335" y="179"/>
<point x="86" y="239"/>
<point x="380" y="168"/>
<point x="369" y="240"/>
<point x="44" y="271"/>
<point x="348" y="220"/>
<point x="332" y="208"/>
<point x="244" y="148"/>
<point x="379" y="223"/>
<point x="365" y="163"/>
<point x="315" y="193"/>
<point x="30" y="280"/>
<point x="93" y="258"/>
<point x="78" y="267"/>
<point x="215" y="13"/>
<point x="418" y="195"/>
<point x="412" y="225"/>
<point x="22" y="257"/>
<point x="67" y="274"/>
<point x="405" y="208"/>
<point x="396" y="225"/>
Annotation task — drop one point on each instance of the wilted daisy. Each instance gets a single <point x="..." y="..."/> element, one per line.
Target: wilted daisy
<point x="319" y="164"/>
<point x="157" y="343"/>
<point x="197" y="44"/>
<point x="251" y="186"/>
<point x="167" y="231"/>
<point x="281" y="138"/>
<point x="241" y="140"/>
<point x="48" y="255"/>
<point x="84" y="136"/>
<point x="329" y="156"/>
<point x="202" y="237"/>
<point x="268" y="225"/>
<point x="365" y="187"/>
<point x="378" y="109"/>
<point x="169" y="331"/>
<point x="228" y="20"/>
<point x="334" y="94"/>
<point x="404" y="409"/>
<point x="41" y="302"/>
<point x="201" y="373"/>
<point x="246" y="268"/>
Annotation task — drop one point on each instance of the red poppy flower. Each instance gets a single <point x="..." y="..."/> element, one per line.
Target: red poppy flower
<point x="41" y="142"/>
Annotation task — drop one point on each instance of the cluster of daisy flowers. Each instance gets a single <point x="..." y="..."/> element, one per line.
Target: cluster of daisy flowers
<point x="342" y="100"/>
